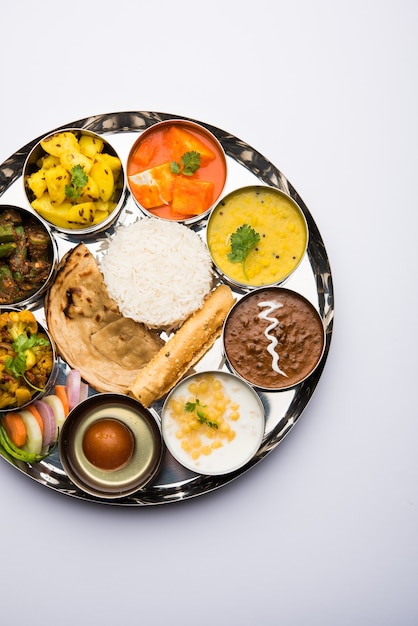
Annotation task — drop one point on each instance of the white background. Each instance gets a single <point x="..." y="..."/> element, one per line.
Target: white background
<point x="325" y="530"/>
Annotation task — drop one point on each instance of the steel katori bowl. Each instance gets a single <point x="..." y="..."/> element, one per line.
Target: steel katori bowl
<point x="110" y="445"/>
<point x="75" y="181"/>
<point x="23" y="390"/>
<point x="273" y="338"/>
<point x="257" y="236"/>
<point x="28" y="257"/>
<point x="164" y="183"/>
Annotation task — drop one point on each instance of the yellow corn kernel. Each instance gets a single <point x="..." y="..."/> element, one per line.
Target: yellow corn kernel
<point x="206" y="450"/>
<point x="185" y="429"/>
<point x="202" y="387"/>
<point x="179" y="406"/>
<point x="220" y="406"/>
<point x="211" y="414"/>
<point x="234" y="416"/>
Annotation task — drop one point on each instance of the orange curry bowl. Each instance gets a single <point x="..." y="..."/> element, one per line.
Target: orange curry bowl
<point x="176" y="171"/>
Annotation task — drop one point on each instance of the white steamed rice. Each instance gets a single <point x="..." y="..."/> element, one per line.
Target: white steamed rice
<point x="158" y="272"/>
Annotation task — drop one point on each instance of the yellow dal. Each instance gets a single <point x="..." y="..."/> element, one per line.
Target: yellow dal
<point x="278" y="221"/>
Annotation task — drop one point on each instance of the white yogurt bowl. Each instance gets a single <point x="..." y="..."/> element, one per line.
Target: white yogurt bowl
<point x="213" y="422"/>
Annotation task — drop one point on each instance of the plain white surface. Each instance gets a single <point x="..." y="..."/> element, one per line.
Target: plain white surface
<point x="324" y="530"/>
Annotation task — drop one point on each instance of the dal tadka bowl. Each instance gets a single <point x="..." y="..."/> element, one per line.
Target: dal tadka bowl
<point x="17" y="389"/>
<point x="28" y="257"/>
<point x="273" y="338"/>
<point x="176" y="171"/>
<point x="75" y="180"/>
<point x="110" y="446"/>
<point x="257" y="236"/>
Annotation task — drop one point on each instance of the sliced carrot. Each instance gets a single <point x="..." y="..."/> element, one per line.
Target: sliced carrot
<point x="37" y="416"/>
<point x="61" y="392"/>
<point x="15" y="428"/>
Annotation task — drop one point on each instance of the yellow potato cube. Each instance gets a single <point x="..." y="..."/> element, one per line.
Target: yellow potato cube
<point x="90" y="146"/>
<point x="57" y="178"/>
<point x="114" y="163"/>
<point x="70" y="159"/>
<point x="103" y="176"/>
<point x="60" y="143"/>
<point x="105" y="206"/>
<point x="90" y="190"/>
<point x="53" y="214"/>
<point x="48" y="161"/>
<point x="37" y="183"/>
<point x="81" y="214"/>
<point x="99" y="216"/>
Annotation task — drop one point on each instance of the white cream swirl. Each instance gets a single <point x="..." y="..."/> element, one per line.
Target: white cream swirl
<point x="271" y="306"/>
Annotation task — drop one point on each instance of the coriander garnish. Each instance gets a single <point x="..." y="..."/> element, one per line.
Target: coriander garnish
<point x="190" y="407"/>
<point x="190" y="163"/>
<point x="79" y="179"/>
<point x="243" y="241"/>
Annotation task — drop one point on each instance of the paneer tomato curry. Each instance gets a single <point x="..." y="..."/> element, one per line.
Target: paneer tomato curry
<point x="176" y="171"/>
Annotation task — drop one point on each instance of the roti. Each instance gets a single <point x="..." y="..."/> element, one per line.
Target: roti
<point x="89" y="331"/>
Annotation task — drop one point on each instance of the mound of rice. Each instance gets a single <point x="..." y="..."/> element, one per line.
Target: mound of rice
<point x="158" y="272"/>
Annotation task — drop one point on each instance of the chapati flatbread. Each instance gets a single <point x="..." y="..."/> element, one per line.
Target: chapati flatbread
<point x="89" y="331"/>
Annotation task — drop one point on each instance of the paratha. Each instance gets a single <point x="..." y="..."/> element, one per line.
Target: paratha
<point x="89" y="331"/>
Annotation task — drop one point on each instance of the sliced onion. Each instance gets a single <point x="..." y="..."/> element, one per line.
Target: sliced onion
<point x="73" y="388"/>
<point x="33" y="443"/>
<point x="84" y="391"/>
<point x="59" y="413"/>
<point x="48" y="418"/>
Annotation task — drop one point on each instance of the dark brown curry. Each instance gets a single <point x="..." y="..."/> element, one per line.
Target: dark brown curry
<point x="25" y="256"/>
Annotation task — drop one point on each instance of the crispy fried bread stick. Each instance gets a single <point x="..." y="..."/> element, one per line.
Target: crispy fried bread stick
<point x="183" y="349"/>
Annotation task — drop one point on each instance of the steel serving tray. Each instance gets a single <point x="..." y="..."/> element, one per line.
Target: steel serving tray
<point x="313" y="279"/>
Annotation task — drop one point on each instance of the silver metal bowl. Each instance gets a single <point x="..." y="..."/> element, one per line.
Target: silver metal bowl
<point x="96" y="474"/>
<point x="274" y="338"/>
<point x="165" y="211"/>
<point x="34" y="163"/>
<point x="37" y="395"/>
<point x="275" y="218"/>
<point x="213" y="422"/>
<point x="28" y="268"/>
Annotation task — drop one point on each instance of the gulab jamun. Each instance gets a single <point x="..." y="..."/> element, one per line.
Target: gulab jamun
<point x="108" y="444"/>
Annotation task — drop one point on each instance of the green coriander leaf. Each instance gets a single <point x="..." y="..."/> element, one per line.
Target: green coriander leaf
<point x="191" y="162"/>
<point x="16" y="365"/>
<point x="204" y="420"/>
<point x="190" y="407"/>
<point x="175" y="167"/>
<point x="79" y="179"/>
<point x="23" y="342"/>
<point x="243" y="241"/>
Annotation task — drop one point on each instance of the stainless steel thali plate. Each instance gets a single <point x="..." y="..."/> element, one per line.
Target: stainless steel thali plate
<point x="313" y="279"/>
